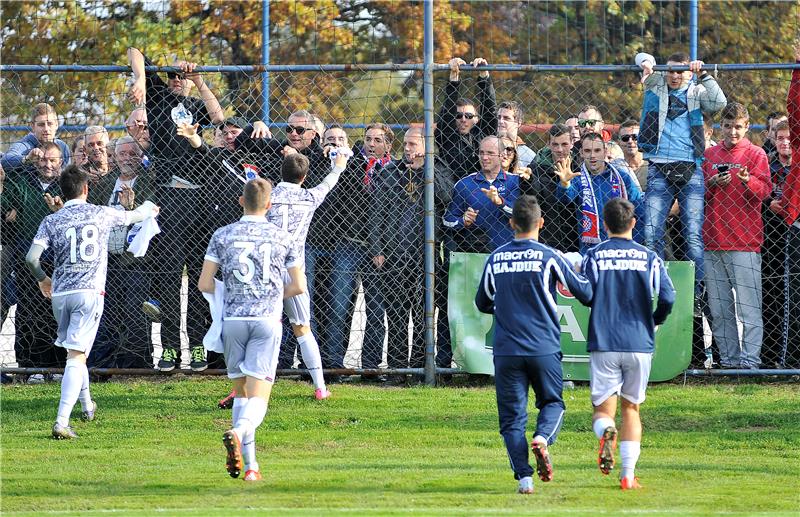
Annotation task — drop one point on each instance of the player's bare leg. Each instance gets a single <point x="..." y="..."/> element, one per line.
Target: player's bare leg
<point x="630" y="440"/>
<point x="606" y="432"/>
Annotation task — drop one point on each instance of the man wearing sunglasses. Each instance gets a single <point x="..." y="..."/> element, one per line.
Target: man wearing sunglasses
<point x="461" y="127"/>
<point x="672" y="139"/>
<point x="179" y="190"/>
<point x="591" y="121"/>
<point x="629" y="142"/>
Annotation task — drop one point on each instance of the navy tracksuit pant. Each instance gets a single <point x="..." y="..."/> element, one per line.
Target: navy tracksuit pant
<point x="513" y="376"/>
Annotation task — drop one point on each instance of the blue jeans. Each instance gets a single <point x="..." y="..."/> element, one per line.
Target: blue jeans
<point x="350" y="264"/>
<point x="658" y="201"/>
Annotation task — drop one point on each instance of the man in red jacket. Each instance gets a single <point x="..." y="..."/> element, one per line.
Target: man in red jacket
<point x="788" y="207"/>
<point x="737" y="181"/>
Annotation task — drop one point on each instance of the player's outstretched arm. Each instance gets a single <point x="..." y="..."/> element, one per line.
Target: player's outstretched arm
<point x="577" y="284"/>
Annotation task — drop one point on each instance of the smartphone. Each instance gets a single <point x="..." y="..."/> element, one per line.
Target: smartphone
<point x="723" y="170"/>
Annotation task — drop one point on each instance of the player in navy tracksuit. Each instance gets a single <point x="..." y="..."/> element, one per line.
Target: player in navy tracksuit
<point x="518" y="286"/>
<point x="625" y="277"/>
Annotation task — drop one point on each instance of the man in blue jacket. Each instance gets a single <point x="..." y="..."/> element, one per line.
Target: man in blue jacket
<point x="518" y="286"/>
<point x="596" y="182"/>
<point x="625" y="277"/>
<point x="44" y="122"/>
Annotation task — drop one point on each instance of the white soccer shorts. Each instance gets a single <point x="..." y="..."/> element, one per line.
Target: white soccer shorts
<point x="619" y="373"/>
<point x="251" y="348"/>
<point x="298" y="309"/>
<point x="78" y="316"/>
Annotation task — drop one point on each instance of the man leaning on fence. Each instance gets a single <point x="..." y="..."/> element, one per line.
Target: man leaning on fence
<point x="672" y="138"/>
<point x="179" y="191"/>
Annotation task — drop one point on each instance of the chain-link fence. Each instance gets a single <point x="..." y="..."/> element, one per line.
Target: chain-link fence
<point x="365" y="247"/>
<point x="364" y="251"/>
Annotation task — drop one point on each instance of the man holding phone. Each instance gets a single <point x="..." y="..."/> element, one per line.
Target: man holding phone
<point x="737" y="181"/>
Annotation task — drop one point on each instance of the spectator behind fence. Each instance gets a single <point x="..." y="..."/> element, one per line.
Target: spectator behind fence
<point x="509" y="120"/>
<point x="769" y="130"/>
<point x="671" y="136"/>
<point x="178" y="190"/>
<point x="575" y="130"/>
<point x="592" y="186"/>
<point x="97" y="161"/>
<point x="591" y="121"/>
<point x="628" y="136"/>
<point x="350" y="204"/>
<point x="78" y="149"/>
<point x="737" y="182"/>
<point x="8" y="253"/>
<point x="560" y="230"/>
<point x="31" y="194"/>
<point x="44" y="122"/>
<point x="396" y="244"/>
<point x="461" y="127"/>
<point x="475" y="215"/>
<point x="136" y="126"/>
<point x="788" y="207"/>
<point x="123" y="339"/>
<point x="773" y="251"/>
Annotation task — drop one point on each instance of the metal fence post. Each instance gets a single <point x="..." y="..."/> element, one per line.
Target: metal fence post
<point x="430" y="250"/>
<point x="265" y="61"/>
<point x="693" y="30"/>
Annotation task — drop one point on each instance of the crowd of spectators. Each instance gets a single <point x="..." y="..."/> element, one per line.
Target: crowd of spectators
<point x="715" y="204"/>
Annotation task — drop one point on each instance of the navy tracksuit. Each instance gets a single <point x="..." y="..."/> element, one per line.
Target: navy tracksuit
<point x="518" y="286"/>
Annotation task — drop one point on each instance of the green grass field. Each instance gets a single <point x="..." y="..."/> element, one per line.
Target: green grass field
<point x="731" y="448"/>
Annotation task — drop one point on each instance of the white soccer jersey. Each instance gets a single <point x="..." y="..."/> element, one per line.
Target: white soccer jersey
<point x="252" y="255"/>
<point x="294" y="206"/>
<point x="78" y="236"/>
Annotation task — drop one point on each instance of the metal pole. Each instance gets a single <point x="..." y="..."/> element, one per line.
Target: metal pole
<point x="693" y="30"/>
<point x="265" y="61"/>
<point x="430" y="250"/>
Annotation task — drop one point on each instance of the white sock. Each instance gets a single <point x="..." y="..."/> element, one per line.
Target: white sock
<point x="249" y="452"/>
<point x="310" y="350"/>
<point x="70" y="389"/>
<point x="601" y="424"/>
<point x="238" y="405"/>
<point x="85" y="396"/>
<point x="629" y="452"/>
<point x="541" y="439"/>
<point x="251" y="417"/>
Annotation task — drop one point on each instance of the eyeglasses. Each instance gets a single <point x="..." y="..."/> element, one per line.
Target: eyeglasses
<point x="588" y="122"/>
<point x="628" y="138"/>
<point x="487" y="153"/>
<point x="468" y="116"/>
<point x="297" y="129"/>
<point x="510" y="150"/>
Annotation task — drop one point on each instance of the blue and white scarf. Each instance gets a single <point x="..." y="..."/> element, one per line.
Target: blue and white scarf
<point x="590" y="223"/>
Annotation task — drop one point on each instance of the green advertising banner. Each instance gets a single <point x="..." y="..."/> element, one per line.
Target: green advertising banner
<point x="471" y="332"/>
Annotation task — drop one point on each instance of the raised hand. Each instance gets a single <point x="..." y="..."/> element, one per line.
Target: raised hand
<point x="744" y="175"/>
<point x="454" y="70"/>
<point x="696" y="66"/>
<point x="478" y="61"/>
<point x="187" y="130"/>
<point x="136" y="93"/>
<point x="564" y="171"/>
<point x="493" y="196"/>
<point x="260" y="130"/>
<point x="470" y="216"/>
<point x="647" y="69"/>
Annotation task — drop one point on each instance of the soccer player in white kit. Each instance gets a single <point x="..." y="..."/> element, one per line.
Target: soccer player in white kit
<point x="292" y="209"/>
<point x="77" y="234"/>
<point x="254" y="257"/>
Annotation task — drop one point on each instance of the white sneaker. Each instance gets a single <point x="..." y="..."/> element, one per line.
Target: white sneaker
<point x="525" y="485"/>
<point x="36" y="378"/>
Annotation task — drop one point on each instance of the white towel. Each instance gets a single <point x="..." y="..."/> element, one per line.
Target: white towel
<point x="216" y="302"/>
<point x="140" y="234"/>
